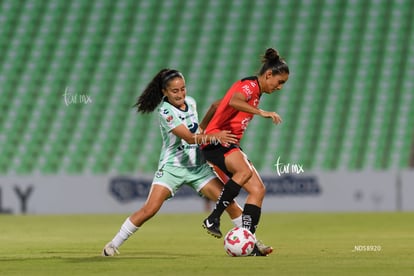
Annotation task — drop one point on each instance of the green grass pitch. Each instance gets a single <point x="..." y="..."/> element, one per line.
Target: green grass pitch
<point x="176" y="244"/>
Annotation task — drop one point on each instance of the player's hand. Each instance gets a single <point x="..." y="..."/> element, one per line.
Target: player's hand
<point x="226" y="137"/>
<point x="273" y="115"/>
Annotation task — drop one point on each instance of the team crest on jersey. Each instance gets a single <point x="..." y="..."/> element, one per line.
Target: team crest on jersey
<point x="169" y="118"/>
<point x="159" y="173"/>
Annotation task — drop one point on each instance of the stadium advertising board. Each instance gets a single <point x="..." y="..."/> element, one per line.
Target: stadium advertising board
<point x="319" y="191"/>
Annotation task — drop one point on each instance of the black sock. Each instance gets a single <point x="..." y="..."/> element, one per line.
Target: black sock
<point x="230" y="191"/>
<point x="251" y="217"/>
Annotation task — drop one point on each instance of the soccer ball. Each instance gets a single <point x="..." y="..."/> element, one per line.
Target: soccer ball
<point x="239" y="242"/>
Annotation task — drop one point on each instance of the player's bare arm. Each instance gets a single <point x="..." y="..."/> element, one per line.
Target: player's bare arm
<point x="209" y="114"/>
<point x="224" y="136"/>
<point x="273" y="115"/>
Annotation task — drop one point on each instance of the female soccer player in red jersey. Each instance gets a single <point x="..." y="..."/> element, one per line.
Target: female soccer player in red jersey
<point x="233" y="113"/>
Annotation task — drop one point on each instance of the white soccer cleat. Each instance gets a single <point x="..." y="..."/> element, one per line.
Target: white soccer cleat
<point x="264" y="249"/>
<point x="109" y="250"/>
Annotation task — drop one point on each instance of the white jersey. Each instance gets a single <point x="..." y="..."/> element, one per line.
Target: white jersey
<point x="175" y="151"/>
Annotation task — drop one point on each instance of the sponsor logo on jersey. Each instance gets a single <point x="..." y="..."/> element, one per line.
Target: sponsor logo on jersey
<point x="183" y="117"/>
<point x="187" y="146"/>
<point x="192" y="127"/>
<point x="245" y="123"/>
<point x="247" y="91"/>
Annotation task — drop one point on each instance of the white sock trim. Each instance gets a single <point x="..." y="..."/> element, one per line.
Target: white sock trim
<point x="237" y="222"/>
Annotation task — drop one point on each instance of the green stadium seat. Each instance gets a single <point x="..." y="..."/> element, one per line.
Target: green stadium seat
<point x="348" y="104"/>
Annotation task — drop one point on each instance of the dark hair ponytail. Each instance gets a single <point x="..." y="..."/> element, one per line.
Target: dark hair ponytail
<point x="152" y="95"/>
<point x="272" y="60"/>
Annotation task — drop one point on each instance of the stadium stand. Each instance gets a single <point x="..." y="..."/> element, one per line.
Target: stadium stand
<point x="70" y="72"/>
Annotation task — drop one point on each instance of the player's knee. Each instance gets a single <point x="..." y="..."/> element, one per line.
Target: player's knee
<point x="242" y="177"/>
<point x="258" y="191"/>
<point x="263" y="190"/>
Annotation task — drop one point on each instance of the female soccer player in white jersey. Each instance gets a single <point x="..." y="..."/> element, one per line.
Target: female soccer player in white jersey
<point x="181" y="161"/>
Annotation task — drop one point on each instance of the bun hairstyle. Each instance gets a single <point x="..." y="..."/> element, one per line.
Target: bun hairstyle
<point x="272" y="60"/>
<point x="152" y="95"/>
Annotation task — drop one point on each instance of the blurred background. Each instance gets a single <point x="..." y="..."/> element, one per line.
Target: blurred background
<point x="70" y="72"/>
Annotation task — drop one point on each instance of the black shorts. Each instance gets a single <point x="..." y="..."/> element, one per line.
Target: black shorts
<point x="215" y="155"/>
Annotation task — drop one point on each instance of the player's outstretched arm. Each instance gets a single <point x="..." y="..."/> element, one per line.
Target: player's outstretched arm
<point x="273" y="115"/>
<point x="238" y="101"/>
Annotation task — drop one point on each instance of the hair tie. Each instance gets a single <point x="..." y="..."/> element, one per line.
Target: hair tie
<point x="280" y="67"/>
<point x="170" y="75"/>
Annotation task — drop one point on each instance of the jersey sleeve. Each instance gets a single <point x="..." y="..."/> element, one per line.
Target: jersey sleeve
<point x="245" y="89"/>
<point x="168" y="119"/>
<point x="248" y="88"/>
